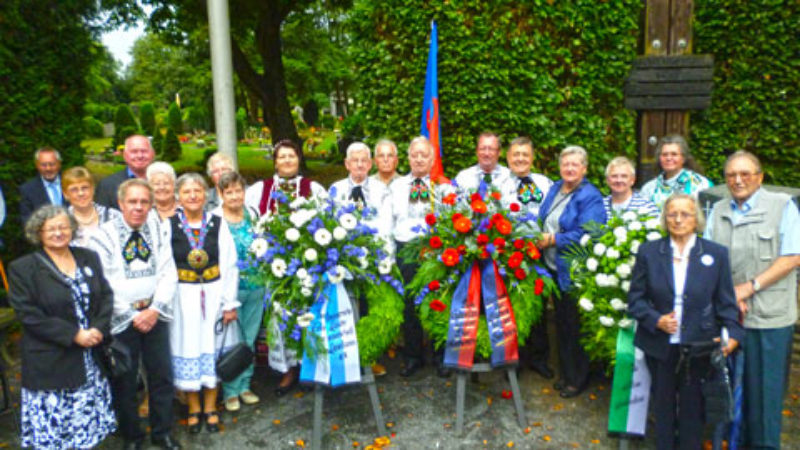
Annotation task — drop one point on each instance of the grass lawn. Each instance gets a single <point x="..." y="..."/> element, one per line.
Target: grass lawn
<point x="253" y="163"/>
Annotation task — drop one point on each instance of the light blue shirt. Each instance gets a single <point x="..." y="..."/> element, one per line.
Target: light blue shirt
<point x="53" y="189"/>
<point x="789" y="227"/>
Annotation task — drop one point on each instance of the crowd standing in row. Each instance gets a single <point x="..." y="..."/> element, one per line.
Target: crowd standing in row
<point x="166" y="280"/>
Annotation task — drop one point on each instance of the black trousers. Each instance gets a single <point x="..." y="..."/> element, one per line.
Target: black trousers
<point x="155" y="353"/>
<point x="573" y="361"/>
<point x="678" y="397"/>
<point x="536" y="350"/>
<point x="412" y="328"/>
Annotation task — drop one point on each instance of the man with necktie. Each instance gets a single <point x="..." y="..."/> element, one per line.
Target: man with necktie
<point x="528" y="190"/>
<point x="487" y="172"/>
<point x="45" y="188"/>
<point x="138" y="155"/>
<point x="412" y="197"/>
<point x="138" y="265"/>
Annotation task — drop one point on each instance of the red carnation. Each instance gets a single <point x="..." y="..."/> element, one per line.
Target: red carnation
<point x="496" y="195"/>
<point x="456" y="216"/>
<point x="533" y="251"/>
<point x="476" y="197"/>
<point x="434" y="285"/>
<point x="479" y="206"/>
<point x="450" y="257"/>
<point x="437" y="305"/>
<point x="462" y="225"/>
<point x="520" y="274"/>
<point x="499" y="243"/>
<point x="435" y="242"/>
<point x="482" y="239"/>
<point x="484" y="253"/>
<point x="430" y="219"/>
<point x="462" y="249"/>
<point x="449" y="199"/>
<point x="503" y="227"/>
<point x="496" y="217"/>
<point x="538" y="286"/>
<point x="519" y="244"/>
<point x="515" y="260"/>
<point x="514" y="207"/>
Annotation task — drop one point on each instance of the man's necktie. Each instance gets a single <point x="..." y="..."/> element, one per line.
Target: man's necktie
<point x="136" y="247"/>
<point x="419" y="191"/>
<point x="55" y="194"/>
<point x="357" y="195"/>
<point x="527" y="191"/>
<point x="487" y="178"/>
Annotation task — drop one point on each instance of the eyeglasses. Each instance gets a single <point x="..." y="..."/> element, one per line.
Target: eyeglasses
<point x="745" y="176"/>
<point x="682" y="215"/>
<point x="58" y="229"/>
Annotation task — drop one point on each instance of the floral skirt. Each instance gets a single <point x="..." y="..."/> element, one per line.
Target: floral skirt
<point x="69" y="418"/>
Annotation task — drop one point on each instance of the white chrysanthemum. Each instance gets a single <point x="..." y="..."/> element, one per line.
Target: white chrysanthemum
<point x="338" y="276"/>
<point x="385" y="266"/>
<point x="298" y="202"/>
<point x="307" y="282"/>
<point x="635" y="226"/>
<point x="586" y="304"/>
<point x="612" y="281"/>
<point x="292" y="234"/>
<point x="259" y="246"/>
<point x="624" y="270"/>
<point x="600" y="279"/>
<point x="618" y="304"/>
<point x="635" y="246"/>
<point x="302" y="273"/>
<point x="652" y="224"/>
<point x="310" y="254"/>
<point x="298" y="218"/>
<point x="322" y="237"/>
<point x="585" y="240"/>
<point x="606" y="321"/>
<point x="306" y="291"/>
<point x="339" y="233"/>
<point x="591" y="264"/>
<point x="348" y="221"/>
<point x="303" y="321"/>
<point x="277" y="308"/>
<point x="629" y="216"/>
<point x="625" y="285"/>
<point x="599" y="249"/>
<point x="363" y="262"/>
<point x="621" y="233"/>
<point x="653" y="236"/>
<point x="278" y="267"/>
<point x="625" y="323"/>
<point x="612" y="253"/>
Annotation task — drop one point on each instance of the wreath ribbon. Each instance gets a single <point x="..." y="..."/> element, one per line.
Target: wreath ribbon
<point x="483" y="280"/>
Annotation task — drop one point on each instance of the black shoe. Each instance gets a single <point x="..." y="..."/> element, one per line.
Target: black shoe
<point x="411" y="367"/>
<point x="195" y="428"/>
<point x="443" y="372"/>
<point x="559" y="385"/>
<point x="132" y="445"/>
<point x="167" y="442"/>
<point x="571" y="391"/>
<point x="542" y="369"/>
<point x="280" y="391"/>
<point x="212" y="427"/>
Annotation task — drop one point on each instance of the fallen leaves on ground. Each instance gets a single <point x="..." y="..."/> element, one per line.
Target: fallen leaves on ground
<point x="527" y="430"/>
<point x="510" y="444"/>
<point x="300" y="443"/>
<point x="558" y="407"/>
<point x="592" y="397"/>
<point x="489" y="400"/>
<point x="787" y="413"/>
<point x="546" y="438"/>
<point x="506" y="394"/>
<point x="299" y="394"/>
<point x="537" y="424"/>
<point x="545" y="391"/>
<point x="276" y="422"/>
<point x="595" y="441"/>
<point x="334" y="427"/>
<point x="389" y="424"/>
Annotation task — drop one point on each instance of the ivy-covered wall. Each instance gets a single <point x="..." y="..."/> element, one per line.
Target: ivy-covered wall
<point x="756" y="99"/>
<point x="44" y="56"/>
<point x="551" y="70"/>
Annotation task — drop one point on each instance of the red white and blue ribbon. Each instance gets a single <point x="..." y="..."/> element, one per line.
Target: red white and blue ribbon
<point x="483" y="280"/>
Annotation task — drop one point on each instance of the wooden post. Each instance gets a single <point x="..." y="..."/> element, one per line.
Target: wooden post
<point x="667" y="31"/>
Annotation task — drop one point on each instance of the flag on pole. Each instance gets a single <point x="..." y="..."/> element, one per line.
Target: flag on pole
<point x="430" y="107"/>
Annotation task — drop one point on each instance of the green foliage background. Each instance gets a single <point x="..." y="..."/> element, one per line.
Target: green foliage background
<point x="755" y="103"/>
<point x="553" y="72"/>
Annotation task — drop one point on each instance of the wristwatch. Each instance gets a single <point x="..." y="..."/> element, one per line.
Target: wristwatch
<point x="756" y="285"/>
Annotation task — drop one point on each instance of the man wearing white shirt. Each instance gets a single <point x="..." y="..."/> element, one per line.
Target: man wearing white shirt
<point x="386" y="162"/>
<point x="138" y="265"/>
<point x="412" y="197"/>
<point x="487" y="172"/>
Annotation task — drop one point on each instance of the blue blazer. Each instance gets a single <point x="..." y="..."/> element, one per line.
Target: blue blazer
<point x="32" y="195"/>
<point x="709" y="301"/>
<point x="585" y="205"/>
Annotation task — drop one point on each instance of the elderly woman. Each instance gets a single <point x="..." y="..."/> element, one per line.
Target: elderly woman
<point x="64" y="304"/>
<point x="678" y="172"/>
<point x="570" y="203"/>
<point x="218" y="164"/>
<point x="620" y="177"/>
<point x="208" y="279"/>
<point x="676" y="307"/>
<point x="261" y="197"/>
<point x="77" y="185"/>
<point x="161" y="177"/>
<point x="241" y="221"/>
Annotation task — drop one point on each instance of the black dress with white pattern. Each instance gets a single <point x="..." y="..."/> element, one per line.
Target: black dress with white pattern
<point x="70" y="418"/>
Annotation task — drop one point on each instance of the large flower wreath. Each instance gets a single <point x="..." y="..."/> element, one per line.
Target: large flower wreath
<point x="463" y="230"/>
<point x="601" y="265"/>
<point x="306" y="246"/>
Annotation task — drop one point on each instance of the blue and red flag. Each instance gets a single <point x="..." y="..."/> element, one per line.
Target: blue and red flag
<point x="430" y="108"/>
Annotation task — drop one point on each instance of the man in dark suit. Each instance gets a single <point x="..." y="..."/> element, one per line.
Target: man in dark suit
<point x="138" y="154"/>
<point x="46" y="187"/>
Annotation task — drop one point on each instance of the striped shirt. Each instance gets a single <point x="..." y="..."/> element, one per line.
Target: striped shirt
<point x="636" y="202"/>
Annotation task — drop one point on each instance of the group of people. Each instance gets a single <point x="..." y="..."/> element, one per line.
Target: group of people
<point x="151" y="261"/>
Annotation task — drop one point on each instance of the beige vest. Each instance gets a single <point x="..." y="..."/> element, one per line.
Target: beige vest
<point x="754" y="244"/>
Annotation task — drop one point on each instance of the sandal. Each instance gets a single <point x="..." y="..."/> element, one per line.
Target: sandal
<point x="195" y="427"/>
<point x="212" y="427"/>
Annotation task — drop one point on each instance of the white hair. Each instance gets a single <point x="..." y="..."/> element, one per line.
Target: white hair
<point x="358" y="147"/>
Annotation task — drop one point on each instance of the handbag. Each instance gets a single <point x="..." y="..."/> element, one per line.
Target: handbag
<point x="235" y="360"/>
<point x="716" y="390"/>
<point x="117" y="357"/>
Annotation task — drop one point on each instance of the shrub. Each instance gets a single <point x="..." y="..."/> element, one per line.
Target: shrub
<point x="171" y="147"/>
<point x="158" y="142"/>
<point x="92" y="127"/>
<point x="124" y="125"/>
<point x="175" y="119"/>
<point x="147" y="118"/>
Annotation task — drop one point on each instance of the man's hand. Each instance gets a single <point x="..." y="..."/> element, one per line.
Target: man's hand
<point x="145" y="320"/>
<point x="229" y="316"/>
<point x="668" y="323"/>
<point x="743" y="291"/>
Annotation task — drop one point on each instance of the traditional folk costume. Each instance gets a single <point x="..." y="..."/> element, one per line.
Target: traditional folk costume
<point x="369" y="193"/>
<point x="471" y="178"/>
<point x="208" y="279"/>
<point x="139" y="267"/>
<point x="686" y="181"/>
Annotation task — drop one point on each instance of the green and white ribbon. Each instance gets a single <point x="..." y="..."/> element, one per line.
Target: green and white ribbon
<point x="630" y="390"/>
